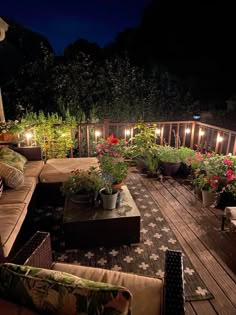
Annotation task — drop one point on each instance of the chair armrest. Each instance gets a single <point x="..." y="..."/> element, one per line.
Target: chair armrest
<point x="37" y="252"/>
<point x="31" y="153"/>
<point x="173" y="283"/>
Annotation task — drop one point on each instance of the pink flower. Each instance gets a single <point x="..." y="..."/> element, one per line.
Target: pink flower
<point x="228" y="162"/>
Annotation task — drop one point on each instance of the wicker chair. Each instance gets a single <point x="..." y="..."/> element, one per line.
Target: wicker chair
<point x="37" y="253"/>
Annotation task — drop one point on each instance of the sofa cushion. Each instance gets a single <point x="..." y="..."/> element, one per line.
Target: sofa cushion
<point x="33" y="169"/>
<point x="12" y="176"/>
<point x="21" y="194"/>
<point x="147" y="292"/>
<point x="55" y="292"/>
<point x="12" y="158"/>
<point x="59" y="170"/>
<point x="11" y="219"/>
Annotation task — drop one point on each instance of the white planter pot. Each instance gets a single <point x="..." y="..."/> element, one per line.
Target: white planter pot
<point x="109" y="201"/>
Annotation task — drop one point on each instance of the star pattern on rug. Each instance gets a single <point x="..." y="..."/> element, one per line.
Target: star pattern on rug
<point x="145" y="258"/>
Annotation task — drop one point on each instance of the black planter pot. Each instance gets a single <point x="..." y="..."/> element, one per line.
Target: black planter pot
<point x="169" y="168"/>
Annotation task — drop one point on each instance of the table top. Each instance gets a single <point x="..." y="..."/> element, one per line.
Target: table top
<point x="74" y="212"/>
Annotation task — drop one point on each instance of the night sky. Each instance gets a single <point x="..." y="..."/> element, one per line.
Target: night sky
<point x="63" y="22"/>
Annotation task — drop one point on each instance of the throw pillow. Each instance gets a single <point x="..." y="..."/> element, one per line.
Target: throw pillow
<point x="1" y="186"/>
<point x="55" y="292"/>
<point x="12" y="177"/>
<point x="12" y="158"/>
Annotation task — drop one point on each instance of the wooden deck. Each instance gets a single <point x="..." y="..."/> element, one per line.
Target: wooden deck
<point x="198" y="229"/>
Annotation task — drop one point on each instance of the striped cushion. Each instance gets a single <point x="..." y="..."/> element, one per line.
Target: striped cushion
<point x="1" y="186"/>
<point x="12" y="177"/>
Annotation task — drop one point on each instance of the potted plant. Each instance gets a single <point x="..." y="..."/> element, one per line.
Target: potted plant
<point x="109" y="196"/>
<point x="113" y="171"/>
<point x="169" y="160"/>
<point x="112" y="147"/>
<point x="209" y="185"/>
<point x="143" y="146"/>
<point x="83" y="185"/>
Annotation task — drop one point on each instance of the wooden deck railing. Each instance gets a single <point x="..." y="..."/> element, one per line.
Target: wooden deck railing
<point x="193" y="134"/>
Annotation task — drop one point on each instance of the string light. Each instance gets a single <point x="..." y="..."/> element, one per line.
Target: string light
<point x="201" y="132"/>
<point x="158" y="131"/>
<point x="28" y="136"/>
<point x="187" y="130"/>
<point x="97" y="134"/>
<point x="127" y="132"/>
<point x="219" y="138"/>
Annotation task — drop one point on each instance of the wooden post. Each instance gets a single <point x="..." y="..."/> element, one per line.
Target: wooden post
<point x="169" y="136"/>
<point x="106" y="128"/>
<point x="87" y="141"/>
<point x="184" y="136"/>
<point x="2" y="116"/>
<point x="228" y="143"/>
<point x="192" y="135"/>
<point x="234" y="150"/>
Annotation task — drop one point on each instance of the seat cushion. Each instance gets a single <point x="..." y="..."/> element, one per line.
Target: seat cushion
<point x="147" y="292"/>
<point x="56" y="292"/>
<point x="59" y="170"/>
<point x="21" y="194"/>
<point x="33" y="169"/>
<point x="11" y="219"/>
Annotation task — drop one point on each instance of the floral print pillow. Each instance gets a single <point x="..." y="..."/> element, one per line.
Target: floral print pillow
<point x="55" y="292"/>
<point x="12" y="158"/>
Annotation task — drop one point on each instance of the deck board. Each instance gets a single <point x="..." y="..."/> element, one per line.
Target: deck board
<point x="197" y="228"/>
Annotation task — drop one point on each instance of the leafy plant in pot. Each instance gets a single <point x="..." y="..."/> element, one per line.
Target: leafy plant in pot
<point x="83" y="185"/>
<point x="169" y="160"/>
<point x="109" y="196"/>
<point x="143" y="144"/>
<point x="113" y="171"/>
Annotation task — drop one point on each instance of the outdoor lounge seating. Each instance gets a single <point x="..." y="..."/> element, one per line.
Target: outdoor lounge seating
<point x="14" y="202"/>
<point x="150" y="296"/>
<point x="229" y="217"/>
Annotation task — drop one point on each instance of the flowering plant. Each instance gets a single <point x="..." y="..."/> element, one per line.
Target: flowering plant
<point x="9" y="126"/>
<point x="209" y="183"/>
<point x="196" y="161"/>
<point x="114" y="171"/>
<point x="111" y="147"/>
<point x="83" y="181"/>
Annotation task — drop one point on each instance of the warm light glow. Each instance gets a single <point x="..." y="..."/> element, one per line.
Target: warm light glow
<point x="219" y="138"/>
<point x="187" y="130"/>
<point x="97" y="133"/>
<point x="28" y="135"/>
<point x="201" y="132"/>
<point x="127" y="132"/>
<point x="158" y="131"/>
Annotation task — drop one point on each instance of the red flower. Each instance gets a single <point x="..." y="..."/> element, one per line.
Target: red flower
<point x="113" y="140"/>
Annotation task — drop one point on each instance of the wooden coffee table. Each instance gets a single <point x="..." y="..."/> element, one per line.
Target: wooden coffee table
<point x="86" y="226"/>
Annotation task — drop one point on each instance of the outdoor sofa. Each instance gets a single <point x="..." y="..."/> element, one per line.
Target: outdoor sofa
<point x="147" y="295"/>
<point x="14" y="202"/>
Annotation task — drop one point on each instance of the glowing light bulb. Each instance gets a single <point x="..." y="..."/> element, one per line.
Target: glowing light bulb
<point x="127" y="132"/>
<point x="158" y="131"/>
<point x="219" y="138"/>
<point x="97" y="133"/>
<point x="187" y="130"/>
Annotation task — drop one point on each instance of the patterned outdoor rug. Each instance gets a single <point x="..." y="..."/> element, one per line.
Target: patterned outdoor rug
<point x="145" y="258"/>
